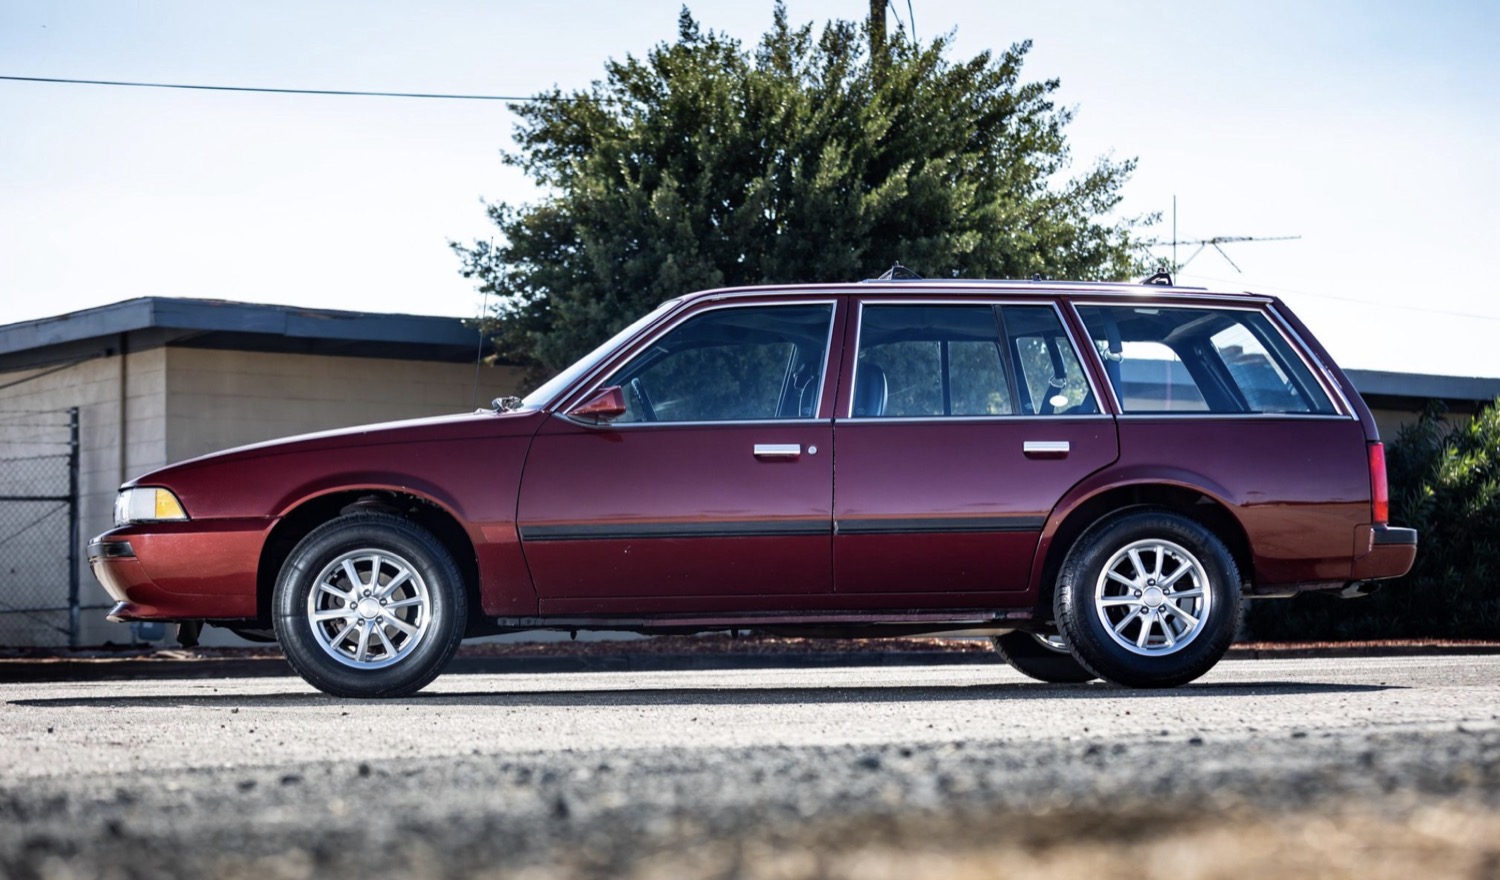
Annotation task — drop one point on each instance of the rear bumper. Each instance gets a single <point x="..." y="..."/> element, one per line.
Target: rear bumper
<point x="1383" y="551"/>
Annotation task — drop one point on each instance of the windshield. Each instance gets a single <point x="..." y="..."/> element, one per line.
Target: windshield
<point x="554" y="386"/>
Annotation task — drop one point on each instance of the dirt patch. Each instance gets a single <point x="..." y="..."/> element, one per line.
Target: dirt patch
<point x="1425" y="840"/>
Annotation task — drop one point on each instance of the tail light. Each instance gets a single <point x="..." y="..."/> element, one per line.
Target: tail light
<point x="1380" y="492"/>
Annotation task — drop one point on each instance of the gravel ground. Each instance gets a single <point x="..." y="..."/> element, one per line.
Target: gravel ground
<point x="1385" y="805"/>
<point x="1414" y="793"/>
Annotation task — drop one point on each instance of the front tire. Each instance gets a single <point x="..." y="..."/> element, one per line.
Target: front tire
<point x="369" y="605"/>
<point x="1044" y="658"/>
<point x="1148" y="598"/>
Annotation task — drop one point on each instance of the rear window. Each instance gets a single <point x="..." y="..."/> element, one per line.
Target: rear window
<point x="1182" y="360"/>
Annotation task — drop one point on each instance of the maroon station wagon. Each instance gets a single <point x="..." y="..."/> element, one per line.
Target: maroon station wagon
<point x="1094" y="474"/>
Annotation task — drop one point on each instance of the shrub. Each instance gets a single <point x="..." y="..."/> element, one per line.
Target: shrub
<point x="1445" y="483"/>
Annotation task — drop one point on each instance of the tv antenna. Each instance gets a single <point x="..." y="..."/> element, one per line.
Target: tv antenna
<point x="1205" y="243"/>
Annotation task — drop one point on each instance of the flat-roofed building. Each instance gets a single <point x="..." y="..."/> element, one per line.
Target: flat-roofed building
<point x="158" y="380"/>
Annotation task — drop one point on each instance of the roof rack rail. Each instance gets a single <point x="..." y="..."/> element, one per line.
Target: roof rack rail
<point x="898" y="272"/>
<point x="1161" y="277"/>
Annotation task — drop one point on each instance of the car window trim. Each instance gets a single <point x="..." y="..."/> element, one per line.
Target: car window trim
<point x="900" y="420"/>
<point x="1163" y="414"/>
<point x="1320" y="370"/>
<point x="631" y="426"/>
<point x="993" y="302"/>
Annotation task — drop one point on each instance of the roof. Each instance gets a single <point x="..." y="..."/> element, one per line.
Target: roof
<point x="149" y="322"/>
<point x="980" y="286"/>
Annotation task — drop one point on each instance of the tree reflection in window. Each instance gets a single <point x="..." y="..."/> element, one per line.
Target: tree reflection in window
<point x="947" y="360"/>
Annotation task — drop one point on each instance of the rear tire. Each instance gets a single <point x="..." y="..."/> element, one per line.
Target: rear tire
<point x="1042" y="660"/>
<point x="1148" y="598"/>
<point x="369" y="605"/>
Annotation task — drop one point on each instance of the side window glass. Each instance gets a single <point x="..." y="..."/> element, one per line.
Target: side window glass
<point x="1156" y="380"/>
<point x="1050" y="379"/>
<point x="930" y="361"/>
<point x="977" y="379"/>
<point x="1265" y="385"/>
<point x="1169" y="359"/>
<point x="735" y="363"/>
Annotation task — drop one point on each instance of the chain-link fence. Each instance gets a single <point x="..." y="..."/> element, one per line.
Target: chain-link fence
<point x="39" y="539"/>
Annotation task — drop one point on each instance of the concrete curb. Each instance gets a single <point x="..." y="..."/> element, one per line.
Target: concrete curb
<point x="18" y="671"/>
<point x="111" y="669"/>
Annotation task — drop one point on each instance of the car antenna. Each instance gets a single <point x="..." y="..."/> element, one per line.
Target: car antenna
<point x="1212" y="242"/>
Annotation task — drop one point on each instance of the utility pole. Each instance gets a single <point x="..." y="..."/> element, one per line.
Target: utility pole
<point x="877" y="35"/>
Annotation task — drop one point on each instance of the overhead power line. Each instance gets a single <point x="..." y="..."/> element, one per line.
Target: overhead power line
<point x="340" y="92"/>
<point x="891" y="5"/>
<point x="1363" y="301"/>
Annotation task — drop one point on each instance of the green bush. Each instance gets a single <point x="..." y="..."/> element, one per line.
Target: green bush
<point x="1445" y="483"/>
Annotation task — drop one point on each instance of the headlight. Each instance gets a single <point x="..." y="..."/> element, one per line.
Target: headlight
<point x="147" y="504"/>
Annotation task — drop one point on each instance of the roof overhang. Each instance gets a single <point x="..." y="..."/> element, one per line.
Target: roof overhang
<point x="149" y="322"/>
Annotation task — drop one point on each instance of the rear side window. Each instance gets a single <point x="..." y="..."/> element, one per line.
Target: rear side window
<point x="1182" y="360"/>
<point x="926" y="361"/>
<point x="957" y="360"/>
<point x="1049" y="379"/>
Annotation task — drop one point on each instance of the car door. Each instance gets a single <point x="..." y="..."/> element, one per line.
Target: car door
<point x="966" y="423"/>
<point x="712" y="491"/>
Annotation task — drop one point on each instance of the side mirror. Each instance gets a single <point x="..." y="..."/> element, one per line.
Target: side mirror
<point x="606" y="404"/>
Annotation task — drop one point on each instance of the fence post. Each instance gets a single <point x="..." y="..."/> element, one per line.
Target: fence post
<point x="74" y="539"/>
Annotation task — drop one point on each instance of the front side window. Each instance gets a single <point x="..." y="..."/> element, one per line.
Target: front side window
<point x="958" y="360"/>
<point x="743" y="363"/>
<point x="1182" y="360"/>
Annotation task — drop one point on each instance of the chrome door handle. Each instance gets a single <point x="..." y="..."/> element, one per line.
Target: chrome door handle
<point x="1046" y="448"/>
<point x="778" y="450"/>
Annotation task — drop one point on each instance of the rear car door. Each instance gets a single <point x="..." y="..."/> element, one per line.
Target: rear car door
<point x="966" y="423"/>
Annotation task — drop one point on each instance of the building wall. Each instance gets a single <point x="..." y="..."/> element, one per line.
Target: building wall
<point x="1391" y="421"/>
<point x="121" y="433"/>
<point x="219" y="399"/>
<point x="163" y="405"/>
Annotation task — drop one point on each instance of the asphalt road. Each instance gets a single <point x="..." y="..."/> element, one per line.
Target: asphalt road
<point x="850" y="772"/>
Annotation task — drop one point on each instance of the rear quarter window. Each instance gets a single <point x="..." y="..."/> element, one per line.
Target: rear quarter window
<point x="1171" y="359"/>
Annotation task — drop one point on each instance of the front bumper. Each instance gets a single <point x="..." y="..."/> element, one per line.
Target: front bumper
<point x="179" y="571"/>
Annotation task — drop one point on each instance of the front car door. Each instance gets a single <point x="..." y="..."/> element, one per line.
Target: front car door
<point x="713" y="491"/>
<point x="966" y="424"/>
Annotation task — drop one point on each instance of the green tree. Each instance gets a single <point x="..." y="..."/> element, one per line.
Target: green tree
<point x="705" y="164"/>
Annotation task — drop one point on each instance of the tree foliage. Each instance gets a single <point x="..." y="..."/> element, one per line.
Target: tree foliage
<point x="705" y="164"/>
<point x="1445" y="483"/>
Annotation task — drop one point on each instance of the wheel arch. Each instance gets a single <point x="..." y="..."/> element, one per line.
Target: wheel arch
<point x="312" y="512"/>
<point x="1070" y="521"/>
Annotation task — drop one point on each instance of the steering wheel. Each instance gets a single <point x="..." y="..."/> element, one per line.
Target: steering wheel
<point x="648" y="412"/>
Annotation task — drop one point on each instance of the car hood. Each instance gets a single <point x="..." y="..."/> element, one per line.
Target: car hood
<point x="465" y="426"/>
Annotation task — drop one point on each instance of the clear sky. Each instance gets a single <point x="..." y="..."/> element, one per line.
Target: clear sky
<point x="1369" y="128"/>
